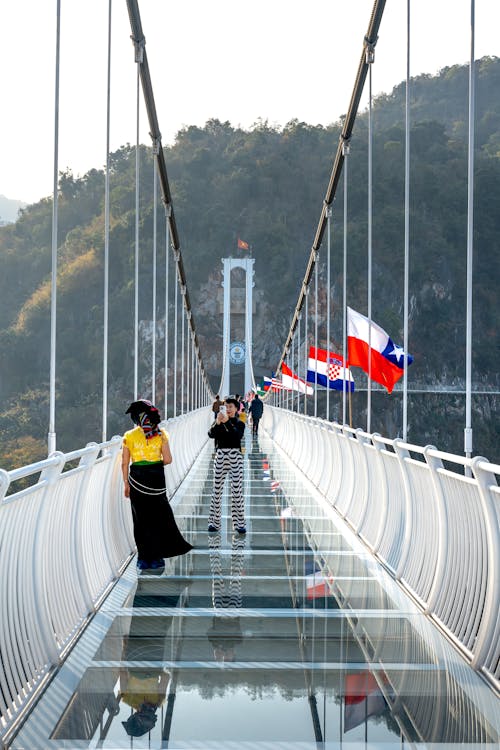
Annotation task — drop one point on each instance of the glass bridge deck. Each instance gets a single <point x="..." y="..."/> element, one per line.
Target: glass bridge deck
<point x="291" y="636"/>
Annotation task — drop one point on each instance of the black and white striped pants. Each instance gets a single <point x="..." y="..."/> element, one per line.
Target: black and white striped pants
<point x="228" y="461"/>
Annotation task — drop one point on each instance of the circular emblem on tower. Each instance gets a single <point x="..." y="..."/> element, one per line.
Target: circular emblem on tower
<point x="237" y="353"/>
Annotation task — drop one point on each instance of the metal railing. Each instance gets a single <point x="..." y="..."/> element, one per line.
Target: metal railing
<point x="436" y="530"/>
<point x="64" y="540"/>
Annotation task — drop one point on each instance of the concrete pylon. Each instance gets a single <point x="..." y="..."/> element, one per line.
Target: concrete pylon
<point x="247" y="265"/>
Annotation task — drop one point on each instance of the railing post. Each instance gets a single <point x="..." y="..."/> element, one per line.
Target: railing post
<point x="87" y="461"/>
<point x="402" y="454"/>
<point x="384" y="505"/>
<point x="47" y="635"/>
<point x="434" y="465"/>
<point x="489" y="620"/>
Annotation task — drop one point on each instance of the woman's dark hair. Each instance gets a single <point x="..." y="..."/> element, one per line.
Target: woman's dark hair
<point x="143" y="405"/>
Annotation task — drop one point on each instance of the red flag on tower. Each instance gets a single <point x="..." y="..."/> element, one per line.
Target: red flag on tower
<point x="242" y="245"/>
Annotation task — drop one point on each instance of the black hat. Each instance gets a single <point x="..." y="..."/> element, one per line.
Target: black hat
<point x="141" y="722"/>
<point x="136" y="407"/>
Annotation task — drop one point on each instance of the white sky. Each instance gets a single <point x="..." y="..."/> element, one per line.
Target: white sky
<point x="270" y="59"/>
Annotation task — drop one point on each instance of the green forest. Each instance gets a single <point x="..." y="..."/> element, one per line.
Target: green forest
<point x="266" y="185"/>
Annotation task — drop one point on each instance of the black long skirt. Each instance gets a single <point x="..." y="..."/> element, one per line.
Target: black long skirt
<point x="155" y="531"/>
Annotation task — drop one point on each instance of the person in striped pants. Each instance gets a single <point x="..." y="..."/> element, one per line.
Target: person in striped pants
<point x="227" y="431"/>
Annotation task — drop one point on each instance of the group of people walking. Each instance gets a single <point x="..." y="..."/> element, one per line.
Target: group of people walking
<point x="145" y="453"/>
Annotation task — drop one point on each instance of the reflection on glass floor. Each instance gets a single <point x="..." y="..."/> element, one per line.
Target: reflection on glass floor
<point x="291" y="635"/>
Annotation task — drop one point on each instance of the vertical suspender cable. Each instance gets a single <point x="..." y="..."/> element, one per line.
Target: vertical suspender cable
<point x="136" y="264"/>
<point x="369" y="53"/>
<point x="328" y="267"/>
<point x="188" y="357"/>
<point x="153" y="333"/>
<point x="345" y="151"/>
<point x="407" y="226"/>
<point x="297" y="409"/>
<point x="176" y="325"/>
<point x="183" y="315"/>
<point x="53" y="295"/>
<point x="106" y="247"/>
<point x="316" y="335"/>
<point x="470" y="241"/>
<point x="167" y="280"/>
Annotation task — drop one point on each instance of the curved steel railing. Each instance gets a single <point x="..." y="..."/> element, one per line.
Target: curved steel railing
<point x="63" y="542"/>
<point x="436" y="530"/>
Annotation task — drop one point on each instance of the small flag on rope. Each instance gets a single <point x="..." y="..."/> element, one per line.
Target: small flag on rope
<point x="277" y="385"/>
<point x="292" y="382"/>
<point x="242" y="245"/>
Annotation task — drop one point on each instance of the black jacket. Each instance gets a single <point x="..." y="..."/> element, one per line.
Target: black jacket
<point x="227" y="434"/>
<point x="256" y="408"/>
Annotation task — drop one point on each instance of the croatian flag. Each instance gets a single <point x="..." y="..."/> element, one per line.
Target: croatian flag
<point x="327" y="369"/>
<point x="362" y="698"/>
<point x="316" y="583"/>
<point x="387" y="359"/>
<point x="292" y="382"/>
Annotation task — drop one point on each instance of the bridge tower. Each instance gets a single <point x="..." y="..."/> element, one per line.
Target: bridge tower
<point x="237" y="352"/>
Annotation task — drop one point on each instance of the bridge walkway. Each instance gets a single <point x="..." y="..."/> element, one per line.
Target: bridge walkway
<point x="291" y="636"/>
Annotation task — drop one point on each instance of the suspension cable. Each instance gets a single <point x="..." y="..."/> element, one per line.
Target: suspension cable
<point x="470" y="241"/>
<point x="347" y="128"/>
<point x="143" y="68"/>
<point x="153" y="348"/>
<point x="407" y="227"/>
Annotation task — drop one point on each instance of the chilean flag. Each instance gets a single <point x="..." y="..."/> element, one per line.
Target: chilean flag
<point x="327" y="369"/>
<point x="387" y="359"/>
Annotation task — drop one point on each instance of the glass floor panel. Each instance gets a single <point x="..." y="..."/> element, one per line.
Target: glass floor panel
<point x="289" y="636"/>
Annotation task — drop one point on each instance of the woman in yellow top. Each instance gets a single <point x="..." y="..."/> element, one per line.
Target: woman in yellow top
<point x="146" y="451"/>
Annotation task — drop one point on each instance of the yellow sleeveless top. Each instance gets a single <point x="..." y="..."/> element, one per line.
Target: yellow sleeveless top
<point x="142" y="449"/>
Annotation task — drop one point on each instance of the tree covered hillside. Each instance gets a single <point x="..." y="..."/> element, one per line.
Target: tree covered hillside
<point x="266" y="186"/>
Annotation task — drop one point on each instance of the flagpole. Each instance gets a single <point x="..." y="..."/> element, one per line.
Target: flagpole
<point x="370" y="56"/>
<point x="329" y="216"/>
<point x="316" y="333"/>
<point x="346" y="151"/>
<point x="305" y="343"/>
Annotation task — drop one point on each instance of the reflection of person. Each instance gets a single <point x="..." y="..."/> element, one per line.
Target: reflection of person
<point x="256" y="410"/>
<point x="147" y="447"/>
<point x="145" y="692"/>
<point x="225" y="632"/>
<point x="227" y="431"/>
<point x="145" y="689"/>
